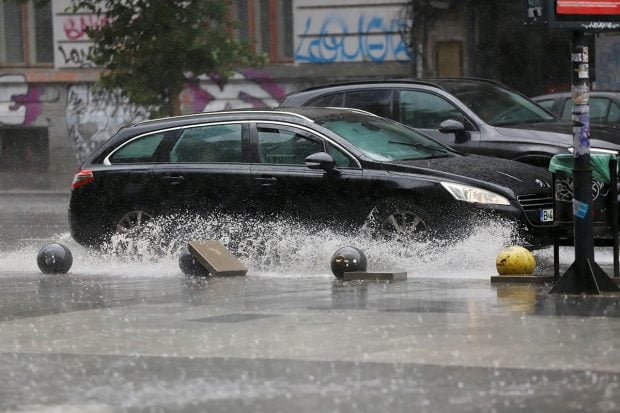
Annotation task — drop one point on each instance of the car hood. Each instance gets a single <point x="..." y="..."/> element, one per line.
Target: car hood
<point x="561" y="133"/>
<point x="486" y="172"/>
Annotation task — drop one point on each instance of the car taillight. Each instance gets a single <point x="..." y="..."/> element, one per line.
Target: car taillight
<point x="82" y="178"/>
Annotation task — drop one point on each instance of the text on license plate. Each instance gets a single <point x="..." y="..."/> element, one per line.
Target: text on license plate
<point x="546" y="215"/>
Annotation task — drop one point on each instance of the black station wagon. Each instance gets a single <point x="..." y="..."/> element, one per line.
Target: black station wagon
<point x="340" y="167"/>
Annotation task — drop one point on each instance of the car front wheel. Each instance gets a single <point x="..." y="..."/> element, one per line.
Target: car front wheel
<point x="399" y="218"/>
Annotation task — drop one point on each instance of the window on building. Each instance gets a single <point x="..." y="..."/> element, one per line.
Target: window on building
<point x="267" y="25"/>
<point x="26" y="35"/>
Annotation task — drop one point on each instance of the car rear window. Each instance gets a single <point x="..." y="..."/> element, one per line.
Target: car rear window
<point x="138" y="150"/>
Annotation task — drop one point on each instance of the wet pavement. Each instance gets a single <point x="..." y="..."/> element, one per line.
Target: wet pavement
<point x="140" y="336"/>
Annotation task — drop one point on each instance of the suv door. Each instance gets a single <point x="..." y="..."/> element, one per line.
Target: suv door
<point x="285" y="186"/>
<point x="206" y="169"/>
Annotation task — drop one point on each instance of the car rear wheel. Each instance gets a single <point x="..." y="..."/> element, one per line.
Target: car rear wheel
<point x="129" y="235"/>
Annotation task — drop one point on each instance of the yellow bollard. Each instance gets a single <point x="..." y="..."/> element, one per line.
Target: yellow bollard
<point x="515" y="260"/>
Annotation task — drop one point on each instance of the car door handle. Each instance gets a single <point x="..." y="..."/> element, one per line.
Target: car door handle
<point x="173" y="179"/>
<point x="266" y="180"/>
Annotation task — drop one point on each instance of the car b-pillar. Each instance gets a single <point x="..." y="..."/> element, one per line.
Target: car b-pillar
<point x="584" y="275"/>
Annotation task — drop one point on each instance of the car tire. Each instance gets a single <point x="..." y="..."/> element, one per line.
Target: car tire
<point x="128" y="230"/>
<point x="400" y="218"/>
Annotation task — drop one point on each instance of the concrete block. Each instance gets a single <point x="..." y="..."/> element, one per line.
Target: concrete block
<point x="374" y="276"/>
<point x="522" y="279"/>
<point x="216" y="258"/>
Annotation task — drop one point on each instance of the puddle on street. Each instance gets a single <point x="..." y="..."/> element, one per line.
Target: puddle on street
<point x="285" y="249"/>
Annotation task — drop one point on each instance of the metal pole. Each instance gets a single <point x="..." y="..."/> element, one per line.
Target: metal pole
<point x="584" y="275"/>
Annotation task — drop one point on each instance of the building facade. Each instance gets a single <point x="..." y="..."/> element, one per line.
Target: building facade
<point x="50" y="120"/>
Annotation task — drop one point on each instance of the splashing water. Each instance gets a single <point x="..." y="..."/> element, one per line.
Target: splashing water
<point x="280" y="248"/>
<point x="288" y="248"/>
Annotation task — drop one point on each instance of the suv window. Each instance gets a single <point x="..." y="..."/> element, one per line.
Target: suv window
<point x="425" y="110"/>
<point x="333" y="100"/>
<point x="214" y="143"/>
<point x="284" y="146"/>
<point x="614" y="113"/>
<point x="375" y="101"/>
<point x="547" y="104"/>
<point x="139" y="150"/>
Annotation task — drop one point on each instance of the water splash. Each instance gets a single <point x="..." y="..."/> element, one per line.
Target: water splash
<point x="279" y="248"/>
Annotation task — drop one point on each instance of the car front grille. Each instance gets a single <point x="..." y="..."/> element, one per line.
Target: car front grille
<point x="531" y="202"/>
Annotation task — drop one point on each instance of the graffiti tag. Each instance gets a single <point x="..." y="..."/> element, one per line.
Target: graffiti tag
<point x="93" y="117"/>
<point x="75" y="27"/>
<point x="374" y="39"/>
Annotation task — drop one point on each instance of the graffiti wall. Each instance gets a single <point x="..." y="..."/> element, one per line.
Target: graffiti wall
<point x="93" y="117"/>
<point x="246" y="89"/>
<point x="71" y="43"/>
<point x="20" y="103"/>
<point x="350" y="31"/>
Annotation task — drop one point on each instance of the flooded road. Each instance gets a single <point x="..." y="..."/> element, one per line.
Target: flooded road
<point x="120" y="335"/>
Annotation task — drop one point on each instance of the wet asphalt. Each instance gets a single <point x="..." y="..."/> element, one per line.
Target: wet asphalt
<point x="139" y="337"/>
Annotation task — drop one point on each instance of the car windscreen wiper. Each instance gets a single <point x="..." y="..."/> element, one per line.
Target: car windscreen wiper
<point x="422" y="145"/>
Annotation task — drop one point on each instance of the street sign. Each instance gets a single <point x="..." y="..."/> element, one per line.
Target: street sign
<point x="575" y="15"/>
<point x="585" y="7"/>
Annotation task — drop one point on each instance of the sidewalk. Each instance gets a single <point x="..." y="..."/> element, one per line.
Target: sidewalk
<point x="265" y="343"/>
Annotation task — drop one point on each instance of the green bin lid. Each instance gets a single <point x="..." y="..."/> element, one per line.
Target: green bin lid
<point x="598" y="161"/>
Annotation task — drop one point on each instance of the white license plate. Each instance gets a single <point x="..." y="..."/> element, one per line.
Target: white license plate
<point x="546" y="215"/>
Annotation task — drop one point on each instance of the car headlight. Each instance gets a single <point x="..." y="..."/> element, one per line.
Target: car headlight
<point x="475" y="195"/>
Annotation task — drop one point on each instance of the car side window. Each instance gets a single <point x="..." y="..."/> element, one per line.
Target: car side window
<point x="139" y="150"/>
<point x="284" y="146"/>
<point x="342" y="160"/>
<point x="213" y="143"/>
<point x="425" y="110"/>
<point x="614" y="113"/>
<point x="598" y="109"/>
<point x="377" y="101"/>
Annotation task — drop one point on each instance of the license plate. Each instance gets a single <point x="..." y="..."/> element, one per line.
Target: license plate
<point x="546" y="215"/>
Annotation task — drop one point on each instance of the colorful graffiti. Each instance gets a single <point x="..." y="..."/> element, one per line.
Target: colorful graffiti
<point x="375" y="39"/>
<point x="93" y="117"/>
<point x="20" y="103"/>
<point x="247" y="89"/>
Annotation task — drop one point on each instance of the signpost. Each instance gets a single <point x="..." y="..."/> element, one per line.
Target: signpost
<point x="580" y="16"/>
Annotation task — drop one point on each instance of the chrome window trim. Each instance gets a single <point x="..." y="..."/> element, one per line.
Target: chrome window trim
<point x="198" y="115"/>
<point x="107" y="162"/>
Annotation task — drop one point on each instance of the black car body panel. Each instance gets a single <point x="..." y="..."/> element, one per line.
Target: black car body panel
<point x="425" y="103"/>
<point x="255" y="165"/>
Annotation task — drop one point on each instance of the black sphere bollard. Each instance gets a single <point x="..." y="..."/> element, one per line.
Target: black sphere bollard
<point x="348" y="259"/>
<point x="190" y="266"/>
<point x="54" y="259"/>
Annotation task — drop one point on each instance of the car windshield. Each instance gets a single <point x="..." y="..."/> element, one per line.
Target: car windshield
<point x="383" y="140"/>
<point x="501" y="107"/>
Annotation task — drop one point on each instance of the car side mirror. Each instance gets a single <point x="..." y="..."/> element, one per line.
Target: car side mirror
<point x="456" y="127"/>
<point x="320" y="160"/>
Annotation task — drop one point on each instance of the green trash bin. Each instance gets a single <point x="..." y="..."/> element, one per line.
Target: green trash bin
<point x="562" y="168"/>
